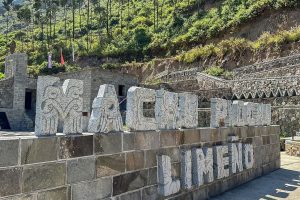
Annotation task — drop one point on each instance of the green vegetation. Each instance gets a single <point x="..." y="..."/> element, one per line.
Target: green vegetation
<point x="2" y="76"/>
<point x="218" y="71"/>
<point x="132" y="30"/>
<point x="214" y="71"/>
<point x="233" y="45"/>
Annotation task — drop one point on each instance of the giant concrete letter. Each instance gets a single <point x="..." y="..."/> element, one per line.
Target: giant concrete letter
<point x="202" y="166"/>
<point x="106" y="116"/>
<point x="248" y="157"/>
<point x="250" y="113"/>
<point x="259" y="114"/>
<point x="220" y="109"/>
<point x="235" y="157"/>
<point x="238" y="114"/>
<point x="220" y="162"/>
<point x="72" y="104"/>
<point x="166" y="185"/>
<point x="266" y="114"/>
<point x="166" y="108"/>
<point x="188" y="111"/>
<point x="186" y="169"/>
<point x="135" y="119"/>
<point x="56" y="101"/>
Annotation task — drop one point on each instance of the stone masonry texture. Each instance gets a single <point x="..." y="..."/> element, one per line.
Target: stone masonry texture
<point x="121" y="165"/>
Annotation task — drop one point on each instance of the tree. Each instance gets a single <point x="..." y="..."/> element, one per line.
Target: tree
<point x="63" y="3"/>
<point x="24" y="15"/>
<point x="88" y="24"/>
<point x="7" y="5"/>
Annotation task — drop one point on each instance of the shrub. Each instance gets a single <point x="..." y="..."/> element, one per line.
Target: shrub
<point x="214" y="71"/>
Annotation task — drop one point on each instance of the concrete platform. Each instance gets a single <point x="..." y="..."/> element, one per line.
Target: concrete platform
<point x="281" y="184"/>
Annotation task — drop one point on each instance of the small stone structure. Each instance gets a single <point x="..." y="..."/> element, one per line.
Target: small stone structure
<point x="18" y="92"/>
<point x="17" y="95"/>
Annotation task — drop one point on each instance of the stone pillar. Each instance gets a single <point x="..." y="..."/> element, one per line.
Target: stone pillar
<point x="16" y="67"/>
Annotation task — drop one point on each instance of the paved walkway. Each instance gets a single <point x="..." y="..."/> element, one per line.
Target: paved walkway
<point x="281" y="184"/>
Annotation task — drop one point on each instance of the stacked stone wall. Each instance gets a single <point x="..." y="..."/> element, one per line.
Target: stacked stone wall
<point x="121" y="165"/>
<point x="6" y="93"/>
<point x="267" y="66"/>
<point x="291" y="70"/>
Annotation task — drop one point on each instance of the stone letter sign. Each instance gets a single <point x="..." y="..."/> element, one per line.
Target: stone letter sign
<point x="204" y="165"/>
<point x="135" y="119"/>
<point x="166" y="108"/>
<point x="58" y="101"/>
<point x="187" y="113"/>
<point x="106" y="116"/>
<point x="238" y="113"/>
<point x="167" y="185"/>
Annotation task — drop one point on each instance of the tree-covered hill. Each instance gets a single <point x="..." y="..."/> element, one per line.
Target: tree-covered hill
<point x="119" y="30"/>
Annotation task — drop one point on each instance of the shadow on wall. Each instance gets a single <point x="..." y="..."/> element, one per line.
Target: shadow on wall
<point x="277" y="185"/>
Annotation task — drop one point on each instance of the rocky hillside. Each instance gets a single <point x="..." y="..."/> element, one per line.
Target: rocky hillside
<point x="271" y="35"/>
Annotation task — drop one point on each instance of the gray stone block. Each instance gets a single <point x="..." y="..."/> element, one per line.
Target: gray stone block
<point x="130" y="181"/>
<point x="75" y="146"/>
<point x="98" y="189"/>
<point x="21" y="197"/>
<point x="38" y="150"/>
<point x="10" y="181"/>
<point x="205" y="135"/>
<point x="152" y="176"/>
<point x="217" y="134"/>
<point x="146" y="140"/>
<point x="110" y="165"/>
<point x="257" y="141"/>
<point x="150" y="193"/>
<point x="266" y="140"/>
<point x="128" y="141"/>
<point x="150" y="158"/>
<point x="191" y="136"/>
<point x="54" y="194"/>
<point x="81" y="169"/>
<point x="130" y="196"/>
<point x="184" y="196"/>
<point x="9" y="150"/>
<point x="201" y="193"/>
<point x="172" y="152"/>
<point x="135" y="160"/>
<point x="108" y="143"/>
<point x="43" y="176"/>
<point x="170" y="138"/>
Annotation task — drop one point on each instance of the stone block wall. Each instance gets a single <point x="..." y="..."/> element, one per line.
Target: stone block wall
<point x="121" y="165"/>
<point x="267" y="65"/>
<point x="6" y="93"/>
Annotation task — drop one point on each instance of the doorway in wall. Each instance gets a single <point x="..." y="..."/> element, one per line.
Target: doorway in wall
<point x="4" y="124"/>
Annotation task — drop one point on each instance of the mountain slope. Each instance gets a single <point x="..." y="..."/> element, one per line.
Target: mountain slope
<point x="131" y="31"/>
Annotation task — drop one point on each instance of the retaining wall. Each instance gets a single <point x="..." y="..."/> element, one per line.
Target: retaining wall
<point x="120" y="165"/>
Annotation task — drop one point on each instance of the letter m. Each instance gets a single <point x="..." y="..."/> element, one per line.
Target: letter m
<point x="202" y="166"/>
